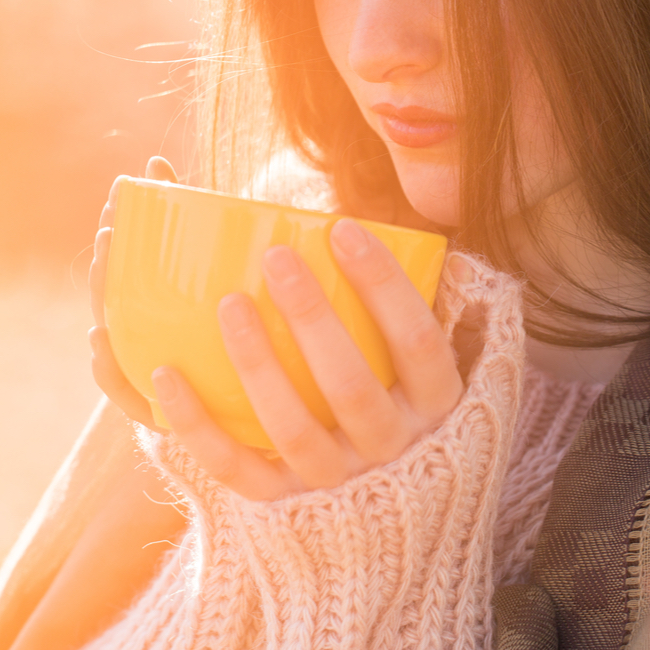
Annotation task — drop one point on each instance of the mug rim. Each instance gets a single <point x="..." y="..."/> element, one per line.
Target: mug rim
<point x="149" y="182"/>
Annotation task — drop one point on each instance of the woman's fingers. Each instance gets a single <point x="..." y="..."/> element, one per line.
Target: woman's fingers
<point x="231" y="463"/>
<point x="112" y="381"/>
<point x="107" y="216"/>
<point x="361" y="405"/>
<point x="304" y="444"/>
<point x="108" y="213"/>
<point x="107" y="373"/>
<point x="160" y="169"/>
<point x="157" y="169"/>
<point x="97" y="274"/>
<point x="423" y="359"/>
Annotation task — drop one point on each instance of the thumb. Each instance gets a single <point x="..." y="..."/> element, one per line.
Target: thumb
<point x="468" y="340"/>
<point x="160" y="169"/>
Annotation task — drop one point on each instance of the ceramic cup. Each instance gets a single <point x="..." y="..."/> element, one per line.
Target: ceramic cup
<point x="176" y="251"/>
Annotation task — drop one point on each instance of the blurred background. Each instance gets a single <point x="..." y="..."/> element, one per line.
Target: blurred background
<point x="90" y="90"/>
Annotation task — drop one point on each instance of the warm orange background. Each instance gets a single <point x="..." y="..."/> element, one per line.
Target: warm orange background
<point x="73" y="115"/>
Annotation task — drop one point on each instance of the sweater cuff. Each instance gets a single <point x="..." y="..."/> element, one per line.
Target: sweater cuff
<point x="402" y="550"/>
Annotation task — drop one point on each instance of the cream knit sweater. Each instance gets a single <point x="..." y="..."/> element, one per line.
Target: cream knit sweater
<point x="404" y="556"/>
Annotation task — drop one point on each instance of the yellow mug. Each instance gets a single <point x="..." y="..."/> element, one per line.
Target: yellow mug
<point x="177" y="251"/>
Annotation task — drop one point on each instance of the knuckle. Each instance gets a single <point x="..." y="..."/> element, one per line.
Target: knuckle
<point x="308" y="309"/>
<point x="102" y="243"/>
<point x="98" y="337"/>
<point x="250" y="355"/>
<point x="354" y="392"/>
<point x="104" y="234"/>
<point x="422" y="340"/>
<point x="107" y="216"/>
<point x="96" y="275"/>
<point x="93" y="334"/>
<point x="189" y="416"/>
<point x="296" y="441"/>
<point x="225" y="468"/>
<point x="381" y="267"/>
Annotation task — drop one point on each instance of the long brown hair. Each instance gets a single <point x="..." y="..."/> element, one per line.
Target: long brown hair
<point x="268" y="83"/>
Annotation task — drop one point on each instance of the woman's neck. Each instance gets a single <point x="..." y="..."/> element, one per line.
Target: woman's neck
<point x="592" y="366"/>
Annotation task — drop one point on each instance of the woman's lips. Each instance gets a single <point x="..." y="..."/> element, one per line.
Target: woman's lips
<point x="415" y="126"/>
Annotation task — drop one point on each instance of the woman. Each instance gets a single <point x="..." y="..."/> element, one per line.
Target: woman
<point x="520" y="129"/>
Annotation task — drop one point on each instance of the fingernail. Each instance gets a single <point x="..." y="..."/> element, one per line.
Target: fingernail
<point x="460" y="270"/>
<point x="350" y="237"/>
<point x="100" y="243"/>
<point x="115" y="188"/>
<point x="161" y="169"/>
<point x="98" y="340"/>
<point x="106" y="217"/>
<point x="236" y="313"/>
<point x="282" y="264"/>
<point x="165" y="384"/>
<point x="150" y="169"/>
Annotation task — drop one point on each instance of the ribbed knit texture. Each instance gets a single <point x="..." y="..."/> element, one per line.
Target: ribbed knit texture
<point x="550" y="415"/>
<point x="399" y="557"/>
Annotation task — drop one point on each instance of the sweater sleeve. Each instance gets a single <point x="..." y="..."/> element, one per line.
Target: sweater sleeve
<point x="398" y="557"/>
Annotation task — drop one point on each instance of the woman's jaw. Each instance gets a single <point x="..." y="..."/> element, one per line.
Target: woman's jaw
<point x="430" y="187"/>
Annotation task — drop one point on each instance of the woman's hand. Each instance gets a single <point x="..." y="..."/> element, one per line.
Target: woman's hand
<point x="376" y="424"/>
<point x="107" y="373"/>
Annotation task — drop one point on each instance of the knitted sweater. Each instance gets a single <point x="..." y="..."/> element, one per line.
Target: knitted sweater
<point x="403" y="556"/>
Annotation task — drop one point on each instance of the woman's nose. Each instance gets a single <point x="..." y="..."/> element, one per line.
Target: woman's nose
<point x="396" y="41"/>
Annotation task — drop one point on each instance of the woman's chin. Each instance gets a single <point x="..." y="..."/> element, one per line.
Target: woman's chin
<point x="441" y="211"/>
<point x="433" y="192"/>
